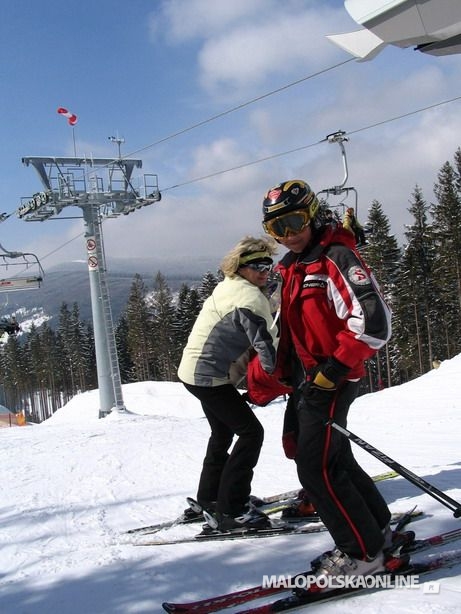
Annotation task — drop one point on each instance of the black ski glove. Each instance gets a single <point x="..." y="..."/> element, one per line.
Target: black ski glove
<point x="328" y="375"/>
<point x="319" y="390"/>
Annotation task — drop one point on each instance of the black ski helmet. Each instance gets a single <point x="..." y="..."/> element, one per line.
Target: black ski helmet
<point x="289" y="196"/>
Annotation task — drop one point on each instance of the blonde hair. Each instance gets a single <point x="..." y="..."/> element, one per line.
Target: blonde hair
<point x="231" y="261"/>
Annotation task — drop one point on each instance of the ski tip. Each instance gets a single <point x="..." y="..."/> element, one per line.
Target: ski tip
<point x="170" y="607"/>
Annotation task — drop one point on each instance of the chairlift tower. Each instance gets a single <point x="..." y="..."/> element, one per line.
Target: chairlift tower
<point x="100" y="187"/>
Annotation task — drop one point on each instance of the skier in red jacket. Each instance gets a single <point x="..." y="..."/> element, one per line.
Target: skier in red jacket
<point x="332" y="318"/>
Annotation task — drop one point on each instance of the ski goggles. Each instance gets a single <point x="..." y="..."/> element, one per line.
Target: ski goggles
<point x="261" y="267"/>
<point x="288" y="224"/>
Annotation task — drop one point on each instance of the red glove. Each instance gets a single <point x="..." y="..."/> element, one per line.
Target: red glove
<point x="289" y="444"/>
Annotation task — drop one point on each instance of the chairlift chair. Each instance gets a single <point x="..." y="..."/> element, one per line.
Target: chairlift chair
<point x="340" y="190"/>
<point x="20" y="281"/>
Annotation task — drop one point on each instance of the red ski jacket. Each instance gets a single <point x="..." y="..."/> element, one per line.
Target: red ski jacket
<point x="331" y="305"/>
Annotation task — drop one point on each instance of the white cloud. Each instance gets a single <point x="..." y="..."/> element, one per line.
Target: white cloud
<point x="184" y="20"/>
<point x="282" y="44"/>
<point x="243" y="43"/>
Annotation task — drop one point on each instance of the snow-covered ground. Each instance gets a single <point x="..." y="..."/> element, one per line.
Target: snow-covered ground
<point x="71" y="486"/>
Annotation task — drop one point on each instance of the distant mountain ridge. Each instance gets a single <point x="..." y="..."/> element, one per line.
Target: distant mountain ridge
<point x="69" y="283"/>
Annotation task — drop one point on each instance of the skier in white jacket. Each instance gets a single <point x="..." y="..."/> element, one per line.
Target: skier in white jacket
<point x="234" y="321"/>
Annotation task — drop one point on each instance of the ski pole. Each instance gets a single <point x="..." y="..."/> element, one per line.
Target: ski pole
<point x="434" y="492"/>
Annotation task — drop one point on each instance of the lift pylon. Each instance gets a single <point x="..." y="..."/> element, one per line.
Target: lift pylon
<point x="101" y="188"/>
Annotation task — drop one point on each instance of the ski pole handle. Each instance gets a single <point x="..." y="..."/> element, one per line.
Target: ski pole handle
<point x="434" y="492"/>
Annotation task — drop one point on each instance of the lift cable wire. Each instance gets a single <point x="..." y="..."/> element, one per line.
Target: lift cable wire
<point x="18" y="281"/>
<point x="303" y="147"/>
<point x="5" y="216"/>
<point x="392" y="119"/>
<point x="231" y="110"/>
<point x="284" y="153"/>
<point x="57" y="249"/>
<point x="241" y="106"/>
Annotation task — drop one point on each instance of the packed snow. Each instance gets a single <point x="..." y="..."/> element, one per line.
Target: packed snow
<point x="74" y="484"/>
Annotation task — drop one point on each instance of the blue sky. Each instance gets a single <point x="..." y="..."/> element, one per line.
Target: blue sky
<point x="147" y="69"/>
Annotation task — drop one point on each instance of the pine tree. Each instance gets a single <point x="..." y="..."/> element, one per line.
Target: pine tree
<point x="207" y="285"/>
<point x="81" y="348"/>
<point x="38" y="369"/>
<point x="139" y="335"/>
<point x="186" y="312"/>
<point x="55" y="367"/>
<point x="91" y="366"/>
<point x="447" y="269"/>
<point x="15" y="375"/>
<point x="415" y="293"/>
<point x="74" y="346"/>
<point x="163" y="317"/>
<point x="126" y="365"/>
<point x="382" y="254"/>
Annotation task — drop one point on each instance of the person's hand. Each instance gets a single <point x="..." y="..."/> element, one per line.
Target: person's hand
<point x="328" y="375"/>
<point x="319" y="390"/>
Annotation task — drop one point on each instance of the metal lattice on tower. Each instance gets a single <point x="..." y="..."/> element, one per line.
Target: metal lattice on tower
<point x="100" y="187"/>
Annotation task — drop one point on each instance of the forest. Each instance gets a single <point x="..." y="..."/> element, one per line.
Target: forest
<point x="421" y="281"/>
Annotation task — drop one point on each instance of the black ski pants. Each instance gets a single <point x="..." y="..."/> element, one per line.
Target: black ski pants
<point x="226" y="476"/>
<point x="344" y="495"/>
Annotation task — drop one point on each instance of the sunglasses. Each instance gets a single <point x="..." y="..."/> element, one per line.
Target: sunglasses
<point x="261" y="267"/>
<point x="289" y="223"/>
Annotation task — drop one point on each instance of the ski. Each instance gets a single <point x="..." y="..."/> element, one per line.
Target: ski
<point x="168" y="524"/>
<point x="430" y="542"/>
<point x="268" y="508"/>
<point x="278" y="528"/>
<point x="220" y="602"/>
<point x="153" y="528"/>
<point x="182" y="519"/>
<point x="269" y="505"/>
<point x="293" y="494"/>
<point x="303" y="598"/>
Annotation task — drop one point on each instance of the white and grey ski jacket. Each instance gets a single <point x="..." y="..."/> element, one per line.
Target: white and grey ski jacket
<point x="234" y="319"/>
